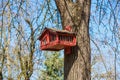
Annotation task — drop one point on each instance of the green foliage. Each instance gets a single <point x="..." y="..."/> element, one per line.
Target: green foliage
<point x="53" y="67"/>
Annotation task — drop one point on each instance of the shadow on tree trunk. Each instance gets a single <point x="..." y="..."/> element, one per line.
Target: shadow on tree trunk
<point x="70" y="60"/>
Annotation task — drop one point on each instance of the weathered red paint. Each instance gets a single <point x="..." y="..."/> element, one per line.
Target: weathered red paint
<point x="55" y="40"/>
<point x="68" y="28"/>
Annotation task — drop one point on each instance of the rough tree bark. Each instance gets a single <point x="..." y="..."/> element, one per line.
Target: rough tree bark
<point x="1" y="76"/>
<point x="76" y="14"/>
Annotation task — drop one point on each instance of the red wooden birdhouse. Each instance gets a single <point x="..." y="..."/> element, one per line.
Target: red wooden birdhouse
<point x="55" y="40"/>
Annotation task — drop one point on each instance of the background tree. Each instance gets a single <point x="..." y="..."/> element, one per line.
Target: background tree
<point x="104" y="39"/>
<point x="53" y="69"/>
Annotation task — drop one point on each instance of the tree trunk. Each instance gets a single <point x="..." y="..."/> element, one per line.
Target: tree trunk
<point x="27" y="78"/>
<point x="1" y="76"/>
<point x="76" y="14"/>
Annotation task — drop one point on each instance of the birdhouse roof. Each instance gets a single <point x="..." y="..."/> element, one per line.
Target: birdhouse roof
<point x="55" y="31"/>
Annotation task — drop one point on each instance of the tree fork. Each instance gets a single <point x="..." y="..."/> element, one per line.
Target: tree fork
<point x="76" y="14"/>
